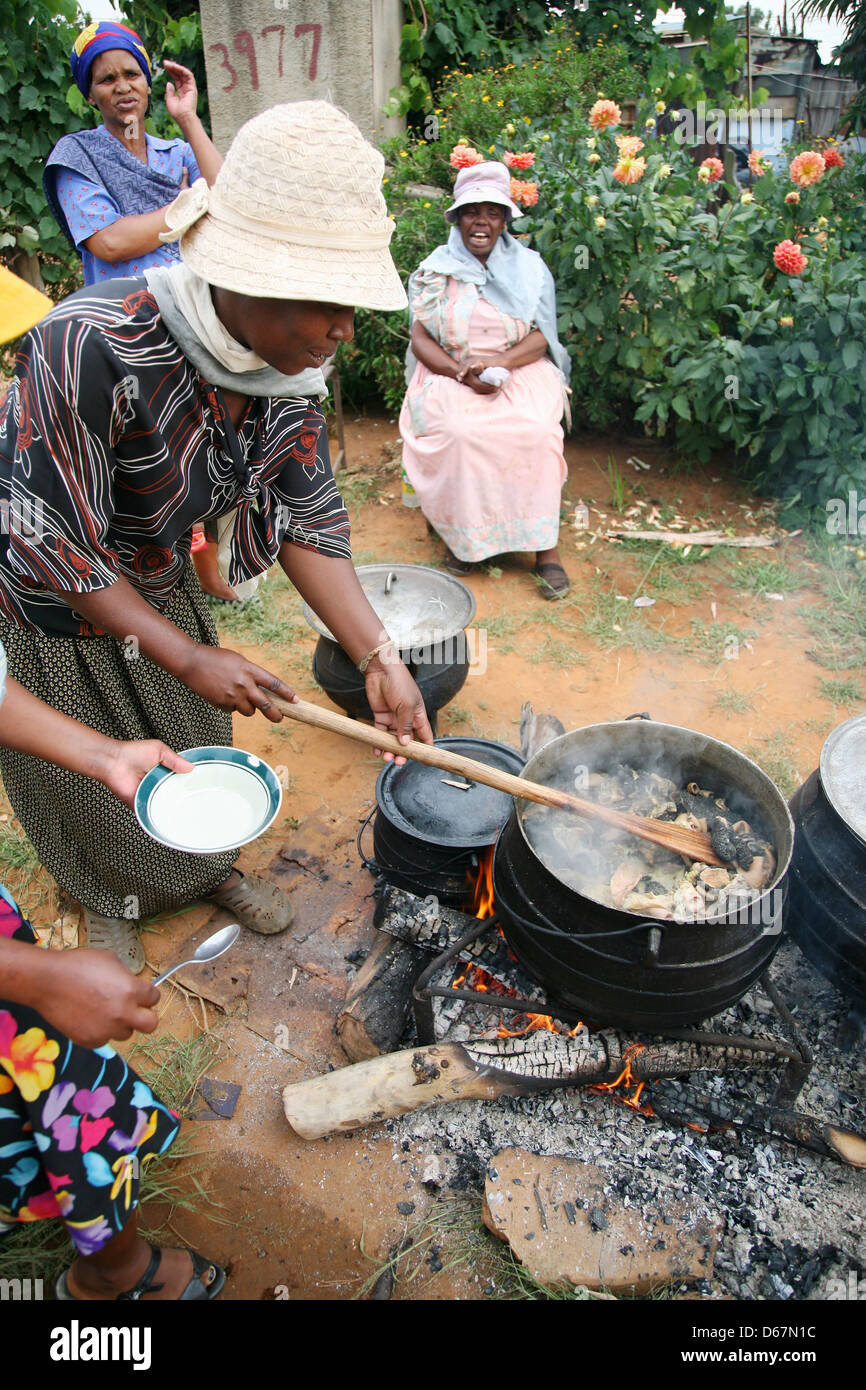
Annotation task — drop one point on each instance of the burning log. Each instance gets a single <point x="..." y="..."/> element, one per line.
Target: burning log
<point x="793" y="1126"/>
<point x="423" y="922"/>
<point x="374" y="1015"/>
<point x="384" y="1087"/>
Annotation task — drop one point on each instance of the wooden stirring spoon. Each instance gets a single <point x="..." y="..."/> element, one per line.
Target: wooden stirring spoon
<point x="693" y="844"/>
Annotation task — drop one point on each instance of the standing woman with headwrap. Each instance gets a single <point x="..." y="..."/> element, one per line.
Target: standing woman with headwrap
<point x="109" y="187"/>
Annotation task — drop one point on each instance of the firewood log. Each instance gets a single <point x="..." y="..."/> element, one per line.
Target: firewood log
<point x="373" y="1018"/>
<point x="384" y="1087"/>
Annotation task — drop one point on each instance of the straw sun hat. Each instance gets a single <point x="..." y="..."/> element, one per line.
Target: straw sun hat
<point x="296" y="212"/>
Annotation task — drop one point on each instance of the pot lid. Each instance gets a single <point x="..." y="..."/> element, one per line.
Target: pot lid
<point x="843" y="773"/>
<point x="429" y="803"/>
<point x="418" y="605"/>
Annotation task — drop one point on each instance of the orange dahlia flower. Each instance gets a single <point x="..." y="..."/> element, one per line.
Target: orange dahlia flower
<point x="789" y="258"/>
<point x="604" y="114"/>
<point x="525" y="193"/>
<point x="807" y="168"/>
<point x="630" y="169"/>
<point x="628" y="144"/>
<point x="758" y="163"/>
<point x="833" y="159"/>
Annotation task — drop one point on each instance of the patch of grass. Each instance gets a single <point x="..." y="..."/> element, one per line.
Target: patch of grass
<point x="456" y="714"/>
<point x="21" y="870"/>
<point x="617" y="485"/>
<point x="839" y="623"/>
<point x="501" y="630"/>
<point x="774" y="757"/>
<point x="838" y="692"/>
<point x="356" y="488"/>
<point x="717" y="641"/>
<point x="733" y="702"/>
<point x="553" y="651"/>
<point x="275" y="621"/>
<point x="173" y="1068"/>
<point x="760" y="575"/>
<point x="612" y="623"/>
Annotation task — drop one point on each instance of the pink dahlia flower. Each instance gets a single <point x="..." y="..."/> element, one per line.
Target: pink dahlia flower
<point x="518" y="161"/>
<point x="715" y="169"/>
<point x="463" y="157"/>
<point x="758" y="163"/>
<point x="628" y="144"/>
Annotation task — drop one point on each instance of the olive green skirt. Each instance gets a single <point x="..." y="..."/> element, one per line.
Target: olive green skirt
<point x="85" y="837"/>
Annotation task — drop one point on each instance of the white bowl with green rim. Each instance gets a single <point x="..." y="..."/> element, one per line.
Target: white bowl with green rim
<point x="228" y="799"/>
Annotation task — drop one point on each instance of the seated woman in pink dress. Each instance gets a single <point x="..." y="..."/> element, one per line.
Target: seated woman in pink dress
<point x="485" y="457"/>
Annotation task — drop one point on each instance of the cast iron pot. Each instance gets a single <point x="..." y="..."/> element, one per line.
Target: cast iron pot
<point x="828" y="869"/>
<point x="438" y="681"/>
<point x="610" y="965"/>
<point x="428" y="833"/>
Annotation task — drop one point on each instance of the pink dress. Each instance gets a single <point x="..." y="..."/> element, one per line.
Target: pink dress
<point x="488" y="470"/>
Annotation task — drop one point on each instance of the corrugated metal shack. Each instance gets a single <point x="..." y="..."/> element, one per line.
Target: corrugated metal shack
<point x="789" y="67"/>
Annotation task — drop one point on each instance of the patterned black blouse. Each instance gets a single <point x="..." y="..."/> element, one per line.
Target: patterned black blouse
<point x="112" y="445"/>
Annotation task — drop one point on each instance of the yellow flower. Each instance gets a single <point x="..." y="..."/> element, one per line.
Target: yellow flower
<point x="545" y="137"/>
<point x="500" y="102"/>
<point x="747" y="198"/>
<point x="427" y="205"/>
<point x="30" y="1062"/>
<point x="594" y="158"/>
<point x="485" y="98"/>
<point x="660" y="106"/>
<point x="650" y="123"/>
<point x="601" y="223"/>
<point x="403" y="154"/>
<point x="592" y="200"/>
<point x="527" y="120"/>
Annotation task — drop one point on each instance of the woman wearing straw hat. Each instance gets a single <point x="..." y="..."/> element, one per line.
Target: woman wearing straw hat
<point x="482" y="442"/>
<point x="142" y="407"/>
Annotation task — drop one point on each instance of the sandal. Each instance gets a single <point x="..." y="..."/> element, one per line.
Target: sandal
<point x="117" y="934"/>
<point x="552" y="579"/>
<point x="455" y="565"/>
<point x="259" y="905"/>
<point x="196" y="1291"/>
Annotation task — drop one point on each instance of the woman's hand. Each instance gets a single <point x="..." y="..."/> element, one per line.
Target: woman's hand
<point x="231" y="682"/>
<point x="469" y="375"/>
<point x="181" y="95"/>
<point x="396" y="701"/>
<point x="94" y="999"/>
<point x="127" y="763"/>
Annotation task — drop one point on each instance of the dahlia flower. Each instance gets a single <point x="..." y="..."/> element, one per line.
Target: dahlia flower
<point x="463" y="157"/>
<point x="524" y="193"/>
<point x="518" y="161"/>
<point x="792" y="197"/>
<point x="593" y="158"/>
<point x="807" y="168"/>
<point x="758" y="163"/>
<point x="714" y="170"/>
<point x="630" y="169"/>
<point x="604" y="114"/>
<point x="628" y="144"/>
<point x="786" y="321"/>
<point x="601" y="223"/>
<point x="833" y="159"/>
<point x="789" y="258"/>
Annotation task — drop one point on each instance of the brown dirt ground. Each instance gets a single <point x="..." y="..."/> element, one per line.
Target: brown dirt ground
<point x="315" y="1219"/>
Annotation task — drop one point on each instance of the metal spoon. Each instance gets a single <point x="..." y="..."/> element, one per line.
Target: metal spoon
<point x="209" y="949"/>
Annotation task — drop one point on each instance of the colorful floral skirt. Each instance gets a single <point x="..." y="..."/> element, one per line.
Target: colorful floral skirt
<point x="77" y="1126"/>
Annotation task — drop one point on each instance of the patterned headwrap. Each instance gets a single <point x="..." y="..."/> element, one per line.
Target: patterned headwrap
<point x="99" y="38"/>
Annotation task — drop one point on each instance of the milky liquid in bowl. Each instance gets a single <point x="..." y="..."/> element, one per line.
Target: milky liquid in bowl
<point x="216" y="805"/>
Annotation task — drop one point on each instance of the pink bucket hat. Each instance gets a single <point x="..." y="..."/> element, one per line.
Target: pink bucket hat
<point x="488" y="182"/>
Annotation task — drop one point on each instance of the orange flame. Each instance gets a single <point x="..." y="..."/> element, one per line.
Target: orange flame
<point x="626" y="1080"/>
<point x="482" y="898"/>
